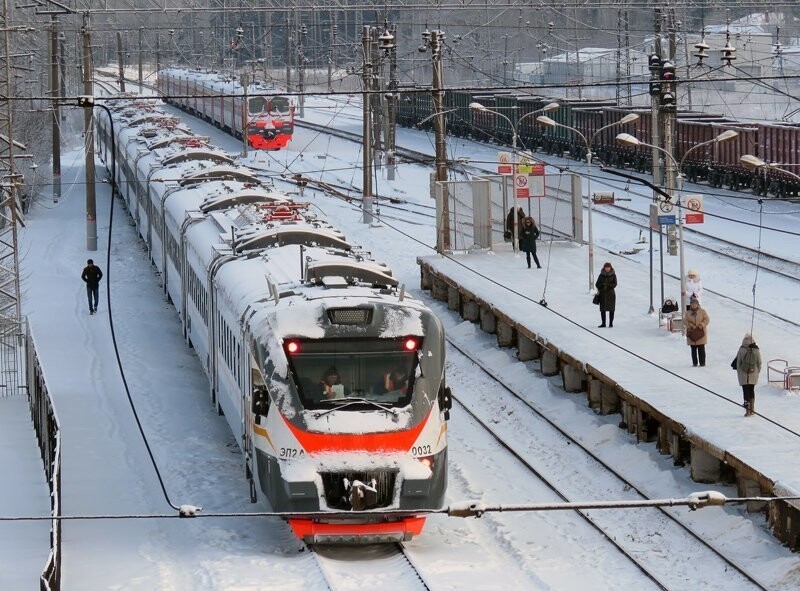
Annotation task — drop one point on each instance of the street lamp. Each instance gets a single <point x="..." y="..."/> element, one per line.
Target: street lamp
<point x="479" y="108"/>
<point x="629" y="140"/>
<point x="629" y="118"/>
<point x="751" y="162"/>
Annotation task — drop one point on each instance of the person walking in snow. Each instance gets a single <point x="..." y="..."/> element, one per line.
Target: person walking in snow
<point x="696" y="321"/>
<point x="509" y="233"/>
<point x="747" y="364"/>
<point x="91" y="276"/>
<point x="694" y="288"/>
<point x="527" y="240"/>
<point x="606" y="284"/>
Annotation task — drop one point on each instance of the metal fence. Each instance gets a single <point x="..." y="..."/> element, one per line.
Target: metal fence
<point x="12" y="357"/>
<point x="48" y="434"/>
<point x="477" y="209"/>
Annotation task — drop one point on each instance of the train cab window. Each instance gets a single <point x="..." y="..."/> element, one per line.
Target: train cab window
<point x="256" y="105"/>
<point x="353" y="374"/>
<point x="279" y="105"/>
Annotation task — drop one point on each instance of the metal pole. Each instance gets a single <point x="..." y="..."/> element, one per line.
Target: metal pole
<point x="287" y="51"/>
<point x="91" y="207"/>
<point x="514" y="169"/>
<point x="391" y="99"/>
<point x="680" y="247"/>
<point x="141" y="52"/>
<point x="301" y="72"/>
<point x="366" y="189"/>
<point x="439" y="126"/>
<point x="120" y="63"/>
<point x="54" y="89"/>
<point x="655" y="131"/>
<point x="589" y="200"/>
<point x="245" y="113"/>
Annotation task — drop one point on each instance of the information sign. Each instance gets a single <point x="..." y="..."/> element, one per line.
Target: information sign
<point x="666" y="220"/>
<point x="504" y="162"/>
<point x="694" y="209"/>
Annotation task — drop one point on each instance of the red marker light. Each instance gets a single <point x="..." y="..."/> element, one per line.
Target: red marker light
<point x="292" y="347"/>
<point x="427" y="462"/>
<point x="410" y="345"/>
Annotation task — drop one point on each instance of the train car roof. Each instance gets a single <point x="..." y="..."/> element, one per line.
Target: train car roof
<point x="248" y="196"/>
<point x="220" y="173"/>
<point x="285" y="234"/>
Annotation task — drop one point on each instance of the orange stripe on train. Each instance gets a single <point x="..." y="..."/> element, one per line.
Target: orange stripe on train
<point x="393" y="441"/>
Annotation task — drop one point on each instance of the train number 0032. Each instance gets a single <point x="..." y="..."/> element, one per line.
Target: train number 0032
<point x="421" y="450"/>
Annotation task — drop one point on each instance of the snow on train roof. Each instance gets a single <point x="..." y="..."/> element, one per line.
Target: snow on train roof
<point x="286" y="234"/>
<point x="222" y="83"/>
<point x="248" y="196"/>
<point x="220" y="173"/>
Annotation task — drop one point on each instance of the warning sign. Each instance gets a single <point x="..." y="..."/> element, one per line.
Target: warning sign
<point x="529" y="185"/>
<point x="694" y="209"/>
<point x="504" y="165"/>
<point x="522" y="186"/>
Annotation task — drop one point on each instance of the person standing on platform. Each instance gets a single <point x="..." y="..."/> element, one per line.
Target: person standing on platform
<point x="509" y="233"/>
<point x="747" y="364"/>
<point x="606" y="284"/>
<point x="696" y="320"/>
<point x="91" y="276"/>
<point x="694" y="288"/>
<point x="528" y="234"/>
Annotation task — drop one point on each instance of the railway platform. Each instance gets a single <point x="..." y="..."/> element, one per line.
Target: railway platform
<point x="639" y="369"/>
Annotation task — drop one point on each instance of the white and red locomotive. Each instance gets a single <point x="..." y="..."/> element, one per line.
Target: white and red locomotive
<point x="269" y="118"/>
<point x="272" y="299"/>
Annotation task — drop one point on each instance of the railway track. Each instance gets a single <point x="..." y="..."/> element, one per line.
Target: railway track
<point x="382" y="566"/>
<point x="628" y="537"/>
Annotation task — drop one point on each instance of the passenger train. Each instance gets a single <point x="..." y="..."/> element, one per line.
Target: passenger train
<point x="220" y="100"/>
<point x="330" y="376"/>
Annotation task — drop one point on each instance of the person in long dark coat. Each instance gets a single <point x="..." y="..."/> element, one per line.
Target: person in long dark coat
<point x="748" y="366"/>
<point x="528" y="234"/>
<point x="697" y="317"/>
<point x="509" y="233"/>
<point x="606" y="284"/>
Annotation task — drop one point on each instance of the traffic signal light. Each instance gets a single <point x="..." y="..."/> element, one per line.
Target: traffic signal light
<point x="668" y="71"/>
<point x="654" y="64"/>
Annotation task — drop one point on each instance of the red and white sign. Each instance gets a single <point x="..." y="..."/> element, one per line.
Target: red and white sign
<point x="504" y="165"/>
<point x="694" y="209"/>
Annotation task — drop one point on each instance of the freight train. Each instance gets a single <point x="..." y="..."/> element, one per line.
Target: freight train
<point x="718" y="164"/>
<point x="330" y="376"/>
<point x="268" y="123"/>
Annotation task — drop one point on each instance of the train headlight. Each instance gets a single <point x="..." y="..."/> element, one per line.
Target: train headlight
<point x="427" y="461"/>
<point x="292" y="347"/>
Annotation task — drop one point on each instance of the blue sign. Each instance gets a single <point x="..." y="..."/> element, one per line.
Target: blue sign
<point x="666" y="220"/>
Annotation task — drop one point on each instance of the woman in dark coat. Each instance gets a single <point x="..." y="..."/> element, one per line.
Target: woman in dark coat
<point x="509" y="233"/>
<point x="695" y="318"/>
<point x="606" y="283"/>
<point x="528" y="234"/>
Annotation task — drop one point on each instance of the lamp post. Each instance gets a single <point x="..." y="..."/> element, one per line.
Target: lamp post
<point x="751" y="162"/>
<point x="629" y="118"/>
<point x="629" y="140"/>
<point x="479" y="108"/>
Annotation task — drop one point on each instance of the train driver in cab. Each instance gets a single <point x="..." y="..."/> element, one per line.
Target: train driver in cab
<point x="395" y="380"/>
<point x="332" y="386"/>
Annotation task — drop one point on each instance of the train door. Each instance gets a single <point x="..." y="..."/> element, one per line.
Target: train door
<point x="255" y="406"/>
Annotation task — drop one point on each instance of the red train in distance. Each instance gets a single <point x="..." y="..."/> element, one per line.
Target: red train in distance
<point x="220" y="100"/>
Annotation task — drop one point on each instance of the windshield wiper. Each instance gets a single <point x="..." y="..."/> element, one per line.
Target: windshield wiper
<point x="341" y="403"/>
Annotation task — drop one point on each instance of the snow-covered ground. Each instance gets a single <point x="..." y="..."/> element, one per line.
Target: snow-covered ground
<point x="105" y="465"/>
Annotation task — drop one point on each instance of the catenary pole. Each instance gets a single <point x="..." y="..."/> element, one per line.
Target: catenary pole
<point x="366" y="187"/>
<point x="91" y="207"/>
<point x="55" y="86"/>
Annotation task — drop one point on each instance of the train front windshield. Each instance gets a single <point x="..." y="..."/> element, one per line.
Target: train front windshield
<point x="354" y="374"/>
<point x="279" y="105"/>
<point x="256" y="105"/>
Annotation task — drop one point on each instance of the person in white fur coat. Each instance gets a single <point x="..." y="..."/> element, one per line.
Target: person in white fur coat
<point x="694" y="287"/>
